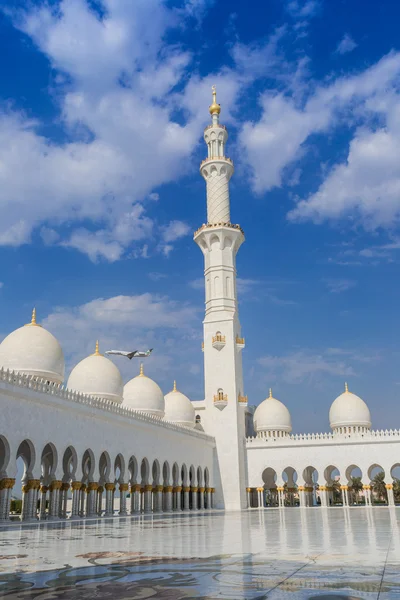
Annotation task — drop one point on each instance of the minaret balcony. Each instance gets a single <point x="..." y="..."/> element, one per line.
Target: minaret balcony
<point x="218" y="341"/>
<point x="240" y="343"/>
<point x="220" y="400"/>
<point x="242" y="400"/>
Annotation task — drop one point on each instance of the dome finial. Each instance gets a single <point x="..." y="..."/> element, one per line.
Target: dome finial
<point x="215" y="108"/>
<point x="174" y="388"/>
<point x="97" y="349"/>
<point x="33" y="319"/>
<point x="141" y="372"/>
<point x="270" y="392"/>
<point x="346" y="387"/>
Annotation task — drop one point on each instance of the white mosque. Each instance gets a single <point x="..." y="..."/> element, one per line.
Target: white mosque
<point x="94" y="446"/>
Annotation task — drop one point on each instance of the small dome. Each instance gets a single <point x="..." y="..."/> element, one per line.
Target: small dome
<point x="272" y="415"/>
<point x="97" y="376"/>
<point x="179" y="409"/>
<point x="143" y="394"/>
<point x="348" y="410"/>
<point x="34" y="351"/>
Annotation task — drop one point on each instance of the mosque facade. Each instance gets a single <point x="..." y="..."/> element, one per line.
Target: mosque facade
<point x="95" y="445"/>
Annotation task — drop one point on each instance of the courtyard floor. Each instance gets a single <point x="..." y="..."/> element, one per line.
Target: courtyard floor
<point x="276" y="554"/>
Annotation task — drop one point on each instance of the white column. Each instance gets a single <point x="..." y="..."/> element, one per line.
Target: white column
<point x="64" y="488"/>
<point x="54" y="488"/>
<point x="390" y="495"/>
<point x="302" y="496"/>
<point x="110" y="488"/>
<point x="148" y="490"/>
<point x="201" y="490"/>
<point x="75" y="487"/>
<point x="99" y="508"/>
<point x="208" y="492"/>
<point x="7" y="486"/>
<point x="194" y="498"/>
<point x="123" y="488"/>
<point x="43" y="497"/>
<point x="367" y="494"/>
<point x="168" y="498"/>
<point x="82" y="499"/>
<point x="186" y="491"/>
<point x="159" y="497"/>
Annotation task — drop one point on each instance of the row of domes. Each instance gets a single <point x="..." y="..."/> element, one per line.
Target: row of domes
<point x="347" y="411"/>
<point x="35" y="351"/>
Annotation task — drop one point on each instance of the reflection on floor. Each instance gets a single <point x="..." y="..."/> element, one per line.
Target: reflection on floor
<point x="293" y="553"/>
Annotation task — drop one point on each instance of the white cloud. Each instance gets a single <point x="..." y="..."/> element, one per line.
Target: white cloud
<point x="337" y="286"/>
<point x="133" y="322"/>
<point x="304" y="365"/>
<point x="156" y="276"/>
<point x="175" y="230"/>
<point x="367" y="186"/>
<point x="301" y="9"/>
<point x="346" y="44"/>
<point x="115" y="80"/>
<point x="310" y="365"/>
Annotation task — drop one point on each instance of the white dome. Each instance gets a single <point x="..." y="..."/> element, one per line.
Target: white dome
<point x="272" y="415"/>
<point x="143" y="394"/>
<point x="34" y="351"/>
<point x="97" y="376"/>
<point x="179" y="409"/>
<point x="348" y="410"/>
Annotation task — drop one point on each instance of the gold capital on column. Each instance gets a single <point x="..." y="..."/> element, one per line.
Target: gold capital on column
<point x="65" y="486"/>
<point x="168" y="488"/>
<point x="248" y="489"/>
<point x="123" y="487"/>
<point x="159" y="488"/>
<point x="110" y="487"/>
<point x="76" y="485"/>
<point x="194" y="489"/>
<point x="389" y="486"/>
<point x="148" y="488"/>
<point x="186" y="489"/>
<point x="55" y="485"/>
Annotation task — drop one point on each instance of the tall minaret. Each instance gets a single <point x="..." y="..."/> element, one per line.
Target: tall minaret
<point x="225" y="401"/>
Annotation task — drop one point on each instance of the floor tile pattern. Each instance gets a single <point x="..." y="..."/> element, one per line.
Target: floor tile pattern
<point x="297" y="554"/>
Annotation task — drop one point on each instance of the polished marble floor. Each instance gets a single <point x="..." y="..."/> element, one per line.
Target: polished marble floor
<point x="294" y="553"/>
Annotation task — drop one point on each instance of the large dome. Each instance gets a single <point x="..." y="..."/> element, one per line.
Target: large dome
<point x="143" y="394"/>
<point x="179" y="409"/>
<point x="97" y="376"/>
<point x="34" y="351"/>
<point x="348" y="410"/>
<point x="272" y="416"/>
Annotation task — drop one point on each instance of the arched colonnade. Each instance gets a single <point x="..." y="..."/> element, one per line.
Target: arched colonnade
<point x="330" y="486"/>
<point x="71" y="485"/>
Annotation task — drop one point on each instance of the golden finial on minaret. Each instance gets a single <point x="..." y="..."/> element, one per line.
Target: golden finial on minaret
<point x="33" y="319"/>
<point x="174" y="388"/>
<point x="141" y="372"/>
<point x="270" y="392"/>
<point x="346" y="387"/>
<point x="215" y="108"/>
<point x="97" y="349"/>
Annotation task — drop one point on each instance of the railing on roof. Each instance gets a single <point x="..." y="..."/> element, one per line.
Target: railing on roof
<point x="43" y="386"/>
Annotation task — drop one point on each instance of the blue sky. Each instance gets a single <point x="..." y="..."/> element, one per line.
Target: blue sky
<point x="103" y="106"/>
